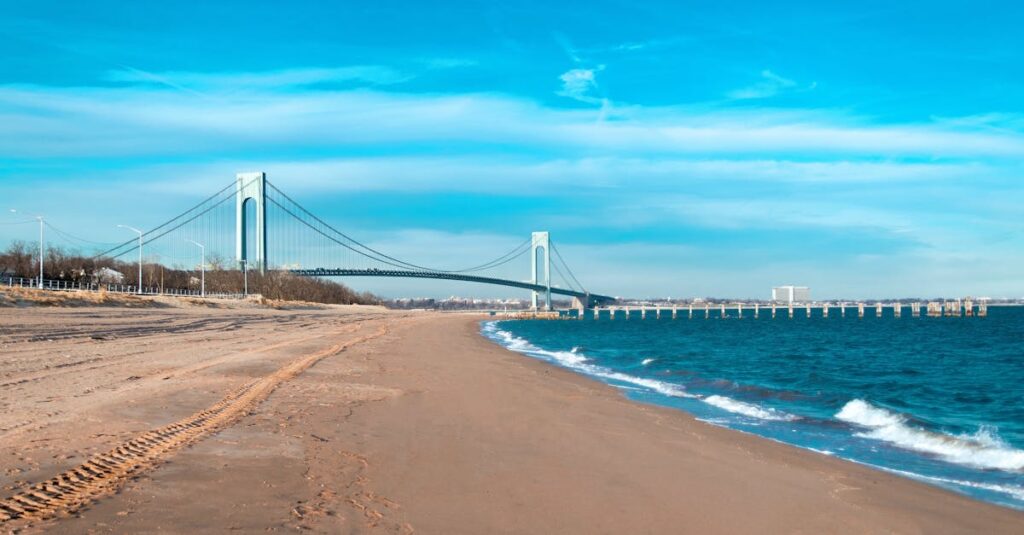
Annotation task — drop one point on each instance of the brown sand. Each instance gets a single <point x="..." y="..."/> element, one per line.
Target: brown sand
<point x="427" y="428"/>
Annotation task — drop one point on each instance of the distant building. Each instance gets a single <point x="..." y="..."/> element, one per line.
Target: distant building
<point x="791" y="294"/>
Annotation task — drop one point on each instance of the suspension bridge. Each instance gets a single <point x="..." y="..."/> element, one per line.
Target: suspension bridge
<point x="250" y="224"/>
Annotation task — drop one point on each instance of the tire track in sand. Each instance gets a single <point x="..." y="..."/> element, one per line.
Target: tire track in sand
<point x="104" y="473"/>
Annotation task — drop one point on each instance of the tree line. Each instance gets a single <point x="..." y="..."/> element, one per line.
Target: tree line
<point x="22" y="260"/>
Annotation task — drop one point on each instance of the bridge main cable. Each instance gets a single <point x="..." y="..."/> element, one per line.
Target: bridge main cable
<point x="379" y="256"/>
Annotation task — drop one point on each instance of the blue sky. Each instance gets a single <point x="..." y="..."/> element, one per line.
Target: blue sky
<point x="865" y="149"/>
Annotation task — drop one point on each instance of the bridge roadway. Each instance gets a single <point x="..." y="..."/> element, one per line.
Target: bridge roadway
<point x="588" y="299"/>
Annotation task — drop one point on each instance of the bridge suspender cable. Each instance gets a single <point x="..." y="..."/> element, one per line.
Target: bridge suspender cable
<point x="384" y="258"/>
<point x="134" y="241"/>
<point x="554" y="248"/>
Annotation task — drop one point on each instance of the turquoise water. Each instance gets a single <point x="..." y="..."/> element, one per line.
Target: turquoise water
<point x="936" y="399"/>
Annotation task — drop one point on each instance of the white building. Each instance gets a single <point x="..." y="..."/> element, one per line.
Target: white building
<point x="791" y="294"/>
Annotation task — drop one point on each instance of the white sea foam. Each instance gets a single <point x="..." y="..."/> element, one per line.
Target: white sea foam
<point x="577" y="361"/>
<point x="983" y="449"/>
<point x="747" y="409"/>
<point x="645" y="362"/>
<point x="1015" y="491"/>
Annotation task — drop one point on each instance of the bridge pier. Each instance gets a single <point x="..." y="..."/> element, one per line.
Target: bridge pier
<point x="824" y="310"/>
<point x="757" y="310"/>
<point x="541" y="241"/>
<point x="860" y="310"/>
<point x="251" y="187"/>
<point x="675" y="312"/>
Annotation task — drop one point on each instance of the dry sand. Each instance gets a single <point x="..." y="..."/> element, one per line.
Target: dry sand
<point x="419" y="425"/>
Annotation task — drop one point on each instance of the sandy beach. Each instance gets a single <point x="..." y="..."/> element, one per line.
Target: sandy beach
<point x="360" y="420"/>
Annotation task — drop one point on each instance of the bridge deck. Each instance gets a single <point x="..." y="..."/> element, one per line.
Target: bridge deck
<point x="338" y="272"/>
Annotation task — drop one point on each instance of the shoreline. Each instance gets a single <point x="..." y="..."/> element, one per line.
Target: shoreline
<point x="430" y="427"/>
<point x="765" y="423"/>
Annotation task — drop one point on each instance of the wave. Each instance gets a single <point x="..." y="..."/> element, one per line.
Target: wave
<point x="645" y="362"/>
<point x="983" y="449"/>
<point x="576" y="361"/>
<point x="747" y="409"/>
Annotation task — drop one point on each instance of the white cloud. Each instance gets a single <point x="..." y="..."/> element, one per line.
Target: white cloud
<point x="220" y="81"/>
<point x="771" y="84"/>
<point x="579" y="84"/>
<point x="148" y="120"/>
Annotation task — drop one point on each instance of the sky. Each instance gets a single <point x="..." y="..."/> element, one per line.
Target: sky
<point x="864" y="149"/>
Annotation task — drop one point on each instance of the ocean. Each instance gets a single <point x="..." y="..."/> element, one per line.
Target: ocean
<point x="940" y="400"/>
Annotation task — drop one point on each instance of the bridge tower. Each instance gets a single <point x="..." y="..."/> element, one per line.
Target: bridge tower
<point x="251" y="187"/>
<point x="541" y="240"/>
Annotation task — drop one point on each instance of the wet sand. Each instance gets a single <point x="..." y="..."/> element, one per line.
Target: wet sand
<point x="419" y="425"/>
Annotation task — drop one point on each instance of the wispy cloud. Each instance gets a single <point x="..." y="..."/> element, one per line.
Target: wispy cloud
<point x="368" y="74"/>
<point x="769" y="85"/>
<point x="580" y="84"/>
<point x="149" y="120"/>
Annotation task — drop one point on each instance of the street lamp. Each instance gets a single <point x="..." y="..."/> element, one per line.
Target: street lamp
<point x="139" y="232"/>
<point x="245" y="277"/>
<point x="40" y="218"/>
<point x="202" y="267"/>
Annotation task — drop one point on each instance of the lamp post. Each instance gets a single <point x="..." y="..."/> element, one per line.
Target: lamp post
<point x="139" y="232"/>
<point x="202" y="267"/>
<point x="40" y="218"/>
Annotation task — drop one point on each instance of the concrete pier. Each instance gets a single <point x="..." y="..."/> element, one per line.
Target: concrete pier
<point x="966" y="307"/>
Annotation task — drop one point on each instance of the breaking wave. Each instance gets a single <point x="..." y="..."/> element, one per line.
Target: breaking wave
<point x="576" y="361"/>
<point x="747" y="409"/>
<point x="983" y="449"/>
